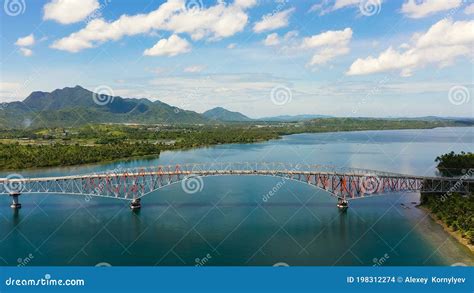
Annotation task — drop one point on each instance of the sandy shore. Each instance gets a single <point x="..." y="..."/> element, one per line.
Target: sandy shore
<point x="455" y="234"/>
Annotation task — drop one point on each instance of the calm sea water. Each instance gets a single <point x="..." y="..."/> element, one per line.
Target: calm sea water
<point x="229" y="223"/>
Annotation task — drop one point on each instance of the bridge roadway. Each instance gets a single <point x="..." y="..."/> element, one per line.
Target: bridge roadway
<point x="132" y="184"/>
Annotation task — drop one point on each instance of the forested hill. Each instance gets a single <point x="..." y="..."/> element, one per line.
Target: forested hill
<point x="222" y="114"/>
<point x="73" y="106"/>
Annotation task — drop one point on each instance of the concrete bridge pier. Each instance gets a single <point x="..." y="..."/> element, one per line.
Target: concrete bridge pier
<point x="135" y="204"/>
<point x="15" y="203"/>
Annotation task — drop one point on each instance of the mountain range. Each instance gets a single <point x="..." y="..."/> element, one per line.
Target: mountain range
<point x="75" y="106"/>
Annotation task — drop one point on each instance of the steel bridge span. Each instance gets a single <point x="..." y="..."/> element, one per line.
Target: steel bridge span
<point x="132" y="184"/>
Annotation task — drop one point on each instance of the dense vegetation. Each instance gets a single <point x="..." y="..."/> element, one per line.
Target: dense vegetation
<point x="25" y="148"/>
<point x="16" y="156"/>
<point x="456" y="211"/>
<point x="453" y="164"/>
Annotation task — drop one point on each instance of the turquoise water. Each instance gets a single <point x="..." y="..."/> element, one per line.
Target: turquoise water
<point x="229" y="223"/>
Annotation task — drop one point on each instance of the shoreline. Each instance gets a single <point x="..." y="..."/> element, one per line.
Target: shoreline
<point x="455" y="234"/>
<point x="152" y="156"/>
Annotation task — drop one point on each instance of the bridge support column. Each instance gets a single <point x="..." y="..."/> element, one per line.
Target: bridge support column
<point x="135" y="204"/>
<point x="15" y="203"/>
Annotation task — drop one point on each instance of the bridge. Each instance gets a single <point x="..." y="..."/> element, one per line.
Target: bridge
<point x="132" y="184"/>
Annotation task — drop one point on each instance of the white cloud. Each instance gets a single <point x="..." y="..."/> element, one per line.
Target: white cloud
<point x="245" y="3"/>
<point x="271" y="40"/>
<point x="27" y="41"/>
<point x="232" y="46"/>
<point x="327" y="6"/>
<point x="273" y="21"/>
<point x="420" y="9"/>
<point x="172" y="46"/>
<point x="345" y="3"/>
<point x="440" y="45"/>
<point x="329" y="38"/>
<point x="469" y="9"/>
<point x="69" y="11"/>
<point x="329" y="45"/>
<point x="10" y="91"/>
<point x="290" y="35"/>
<point x="26" y="52"/>
<point x="216" y="22"/>
<point x="194" y="69"/>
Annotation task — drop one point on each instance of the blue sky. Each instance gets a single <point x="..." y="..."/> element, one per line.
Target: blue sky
<point x="259" y="57"/>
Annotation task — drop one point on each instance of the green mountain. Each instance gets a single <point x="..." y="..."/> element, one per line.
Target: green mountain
<point x="222" y="114"/>
<point x="78" y="106"/>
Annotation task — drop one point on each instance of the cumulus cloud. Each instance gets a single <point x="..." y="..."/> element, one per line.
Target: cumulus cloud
<point x="440" y="45"/>
<point x="69" y="11"/>
<point x="172" y="46"/>
<point x="271" y="40"/>
<point x="328" y="45"/>
<point x="420" y="9"/>
<point x="27" y="41"/>
<point x="273" y="21"/>
<point x="327" y="6"/>
<point x="232" y="46"/>
<point x="194" y="69"/>
<point x="216" y="22"/>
